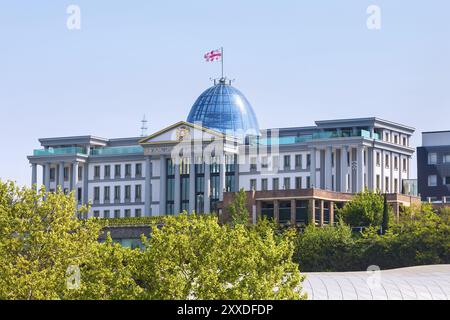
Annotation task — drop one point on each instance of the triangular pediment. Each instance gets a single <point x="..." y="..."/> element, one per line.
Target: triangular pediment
<point x="181" y="131"/>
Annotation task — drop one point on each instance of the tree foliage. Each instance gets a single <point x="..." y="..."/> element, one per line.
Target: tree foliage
<point x="366" y="209"/>
<point x="238" y="209"/>
<point x="193" y="257"/>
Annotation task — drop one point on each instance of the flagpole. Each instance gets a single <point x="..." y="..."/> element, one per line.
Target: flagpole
<point x="221" y="49"/>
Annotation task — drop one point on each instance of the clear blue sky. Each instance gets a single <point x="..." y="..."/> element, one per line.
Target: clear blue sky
<point x="296" y="61"/>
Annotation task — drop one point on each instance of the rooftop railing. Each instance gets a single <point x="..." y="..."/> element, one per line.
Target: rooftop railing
<point x="59" y="151"/>
<point x="117" y="150"/>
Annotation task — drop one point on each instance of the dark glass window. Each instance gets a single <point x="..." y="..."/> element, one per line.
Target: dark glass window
<point x="117" y="172"/>
<point x="138" y="193"/>
<point x="107" y="172"/>
<point x="97" y="172"/>
<point x="138" y="169"/>
<point x="128" y="170"/>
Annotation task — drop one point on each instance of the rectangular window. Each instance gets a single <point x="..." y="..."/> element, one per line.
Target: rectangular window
<point x="66" y="173"/>
<point x="138" y="170"/>
<point x="395" y="185"/>
<point x="106" y="194"/>
<point x="117" y="194"/>
<point x="138" y="193"/>
<point x="96" y="214"/>
<point x="405" y="165"/>
<point x="138" y="213"/>
<point x="432" y="181"/>
<point x="446" y="158"/>
<point x="128" y="171"/>
<point x="52" y="174"/>
<point x="107" y="174"/>
<point x="386" y="164"/>
<point x="432" y="158"/>
<point x="253" y="184"/>
<point x="264" y="162"/>
<point x="298" y="183"/>
<point x="396" y="139"/>
<point x="405" y="142"/>
<point x="275" y="184"/>
<point x="80" y="173"/>
<point x="447" y="181"/>
<point x="117" y="172"/>
<point x="298" y="161"/>
<point x="378" y="159"/>
<point x="96" y="194"/>
<point x="287" y="183"/>
<point x="287" y="162"/>
<point x="378" y="186"/>
<point x="117" y="214"/>
<point x="79" y="195"/>
<point x="386" y="185"/>
<point x="127" y="213"/>
<point x="396" y="163"/>
<point x="97" y="172"/>
<point x="106" y="214"/>
<point x="308" y="182"/>
<point x="252" y="164"/>
<point x="308" y="161"/>
<point x="127" y="193"/>
<point x="264" y="185"/>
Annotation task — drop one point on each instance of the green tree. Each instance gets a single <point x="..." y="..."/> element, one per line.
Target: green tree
<point x="385" y="222"/>
<point x="194" y="257"/>
<point x="238" y="209"/>
<point x="364" y="210"/>
<point x="40" y="238"/>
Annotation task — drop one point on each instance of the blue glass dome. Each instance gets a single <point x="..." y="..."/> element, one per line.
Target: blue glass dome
<point x="225" y="109"/>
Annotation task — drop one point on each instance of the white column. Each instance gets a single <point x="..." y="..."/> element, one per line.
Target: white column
<point x="162" y="185"/>
<point x="207" y="183"/>
<point x="328" y="170"/>
<point x="344" y="169"/>
<point x="360" y="169"/>
<point x="177" y="193"/>
<point x="34" y="175"/>
<point x="61" y="176"/>
<point x="192" y="185"/>
<point x="47" y="177"/>
<point x="85" y="183"/>
<point x="73" y="183"/>
<point x="313" y="167"/>
<point x="222" y="177"/>
<point x="148" y="186"/>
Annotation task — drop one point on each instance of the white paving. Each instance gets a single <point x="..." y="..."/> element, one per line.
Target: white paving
<point x="415" y="283"/>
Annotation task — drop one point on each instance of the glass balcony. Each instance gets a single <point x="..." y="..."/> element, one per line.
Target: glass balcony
<point x="59" y="151"/>
<point x="317" y="136"/>
<point x="117" y="150"/>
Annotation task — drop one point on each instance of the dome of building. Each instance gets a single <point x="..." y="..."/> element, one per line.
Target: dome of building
<point x="224" y="108"/>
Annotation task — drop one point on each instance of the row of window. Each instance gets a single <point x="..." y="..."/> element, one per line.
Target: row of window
<point x="433" y="181"/>
<point x="117" y="194"/>
<point x="395" y="139"/>
<point x="127" y="213"/>
<point x="387" y="163"/>
<point x="286" y="162"/>
<point x="66" y="174"/>
<point x="118" y="171"/>
<point x="387" y="188"/>
<point x="433" y="158"/>
<point x="300" y="183"/>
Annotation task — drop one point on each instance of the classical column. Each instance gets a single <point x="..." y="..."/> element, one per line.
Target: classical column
<point x="85" y="183"/>
<point x="312" y="212"/>
<point x="148" y="186"/>
<point x="293" y="212"/>
<point x="192" y="185"/>
<point x="47" y="177"/>
<point x="331" y="211"/>
<point x="222" y="183"/>
<point x="322" y="213"/>
<point x="328" y="170"/>
<point x="344" y="169"/>
<point x="162" y="185"/>
<point x="74" y="179"/>
<point x="313" y="167"/>
<point x="360" y="169"/>
<point x="276" y="211"/>
<point x="61" y="176"/>
<point x="207" y="190"/>
<point x="34" y="175"/>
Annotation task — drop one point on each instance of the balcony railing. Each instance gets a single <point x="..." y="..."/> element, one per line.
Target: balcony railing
<point x="59" y="151"/>
<point x="117" y="150"/>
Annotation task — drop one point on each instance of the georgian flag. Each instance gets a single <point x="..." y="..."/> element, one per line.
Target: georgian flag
<point x="214" y="55"/>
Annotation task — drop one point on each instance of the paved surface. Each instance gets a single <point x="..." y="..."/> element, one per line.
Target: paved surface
<point x="416" y="283"/>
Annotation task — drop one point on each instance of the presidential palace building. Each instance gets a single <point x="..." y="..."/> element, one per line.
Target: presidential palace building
<point x="296" y="175"/>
